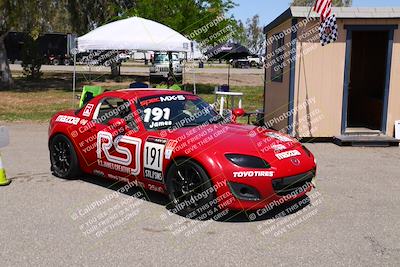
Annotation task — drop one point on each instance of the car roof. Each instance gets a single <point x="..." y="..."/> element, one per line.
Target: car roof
<point x="143" y="92"/>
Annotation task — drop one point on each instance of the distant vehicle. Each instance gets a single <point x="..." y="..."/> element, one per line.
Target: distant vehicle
<point x="249" y="62"/>
<point x="14" y="42"/>
<point x="55" y="47"/>
<point x="241" y="64"/>
<point x="255" y="62"/>
<point x="160" y="66"/>
<point x="124" y="56"/>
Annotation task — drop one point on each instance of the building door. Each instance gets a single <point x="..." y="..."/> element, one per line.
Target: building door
<point x="367" y="79"/>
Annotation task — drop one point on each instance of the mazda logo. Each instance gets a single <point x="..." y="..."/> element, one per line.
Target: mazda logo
<point x="295" y="161"/>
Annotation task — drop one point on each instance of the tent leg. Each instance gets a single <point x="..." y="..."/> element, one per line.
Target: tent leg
<point x="171" y="71"/>
<point x="229" y="73"/>
<point x="74" y="83"/>
<point x="194" y="81"/>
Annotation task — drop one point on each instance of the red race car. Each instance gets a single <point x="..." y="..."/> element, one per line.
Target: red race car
<point x="175" y="143"/>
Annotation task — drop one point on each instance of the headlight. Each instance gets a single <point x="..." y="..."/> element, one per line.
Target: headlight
<point x="248" y="161"/>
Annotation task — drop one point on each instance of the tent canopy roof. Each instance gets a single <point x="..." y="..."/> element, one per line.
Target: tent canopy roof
<point x="134" y="34"/>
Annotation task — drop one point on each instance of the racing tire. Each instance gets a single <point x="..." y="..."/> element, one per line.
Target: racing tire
<point x="63" y="158"/>
<point x="190" y="190"/>
<point x="55" y="62"/>
<point x="67" y="62"/>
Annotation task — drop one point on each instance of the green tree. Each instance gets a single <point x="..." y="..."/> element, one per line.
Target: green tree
<point x="86" y="15"/>
<point x="240" y="36"/>
<point x="311" y="2"/>
<point x="255" y="36"/>
<point x="31" y="16"/>
<point x="186" y="16"/>
<point x="32" y="59"/>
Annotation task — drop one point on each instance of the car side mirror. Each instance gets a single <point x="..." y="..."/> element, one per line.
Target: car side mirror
<point x="117" y="123"/>
<point x="237" y="112"/>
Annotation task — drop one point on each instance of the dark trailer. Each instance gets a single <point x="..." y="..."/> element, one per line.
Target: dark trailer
<point x="14" y="42"/>
<point x="56" y="48"/>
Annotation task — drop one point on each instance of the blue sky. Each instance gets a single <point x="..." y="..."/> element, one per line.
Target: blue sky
<point x="270" y="9"/>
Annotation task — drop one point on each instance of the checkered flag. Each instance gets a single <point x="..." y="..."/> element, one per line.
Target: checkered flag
<point x="328" y="30"/>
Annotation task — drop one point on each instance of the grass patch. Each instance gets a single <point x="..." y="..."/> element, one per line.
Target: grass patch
<point x="39" y="101"/>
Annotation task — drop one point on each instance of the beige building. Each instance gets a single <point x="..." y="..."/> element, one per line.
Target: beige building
<point x="350" y="87"/>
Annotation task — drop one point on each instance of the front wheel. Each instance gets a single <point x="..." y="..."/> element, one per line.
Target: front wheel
<point x="190" y="190"/>
<point x="64" y="161"/>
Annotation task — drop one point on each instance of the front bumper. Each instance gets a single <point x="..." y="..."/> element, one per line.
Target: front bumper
<point x="261" y="194"/>
<point x="164" y="74"/>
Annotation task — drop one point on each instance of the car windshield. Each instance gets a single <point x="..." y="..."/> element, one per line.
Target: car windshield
<point x="163" y="58"/>
<point x="175" y="111"/>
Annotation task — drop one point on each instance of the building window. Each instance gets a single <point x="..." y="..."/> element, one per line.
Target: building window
<point x="277" y="58"/>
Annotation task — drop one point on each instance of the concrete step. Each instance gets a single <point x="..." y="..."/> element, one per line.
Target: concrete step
<point x="365" y="141"/>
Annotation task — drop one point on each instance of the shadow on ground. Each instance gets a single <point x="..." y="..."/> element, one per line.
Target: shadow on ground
<point x="230" y="217"/>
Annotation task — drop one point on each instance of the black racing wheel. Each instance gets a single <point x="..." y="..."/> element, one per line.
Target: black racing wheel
<point x="63" y="158"/>
<point x="190" y="190"/>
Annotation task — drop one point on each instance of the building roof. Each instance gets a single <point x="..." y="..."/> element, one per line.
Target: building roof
<point x="341" y="12"/>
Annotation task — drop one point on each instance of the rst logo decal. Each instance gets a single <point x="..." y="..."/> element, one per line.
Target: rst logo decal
<point x="88" y="110"/>
<point x="153" y="158"/>
<point x="287" y="154"/>
<point x="121" y="159"/>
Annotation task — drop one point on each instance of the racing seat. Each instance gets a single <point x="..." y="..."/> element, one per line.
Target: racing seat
<point x="88" y="92"/>
<point x="138" y="85"/>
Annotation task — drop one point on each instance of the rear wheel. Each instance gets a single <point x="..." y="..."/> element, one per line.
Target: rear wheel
<point x="64" y="161"/>
<point x="190" y="190"/>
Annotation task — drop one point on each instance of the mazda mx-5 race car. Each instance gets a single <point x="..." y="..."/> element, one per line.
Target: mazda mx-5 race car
<point x="175" y="143"/>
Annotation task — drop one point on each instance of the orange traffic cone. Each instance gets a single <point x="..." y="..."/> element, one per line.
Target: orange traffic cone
<point x="3" y="177"/>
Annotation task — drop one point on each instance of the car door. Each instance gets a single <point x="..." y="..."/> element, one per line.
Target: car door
<point x="118" y="149"/>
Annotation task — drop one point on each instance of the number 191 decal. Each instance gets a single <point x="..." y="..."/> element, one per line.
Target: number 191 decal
<point x="153" y="158"/>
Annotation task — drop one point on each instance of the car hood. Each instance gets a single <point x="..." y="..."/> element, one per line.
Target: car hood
<point x="232" y="138"/>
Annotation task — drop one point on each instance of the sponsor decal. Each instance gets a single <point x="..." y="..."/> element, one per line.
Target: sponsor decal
<point x="170" y="98"/>
<point x="287" y="154"/>
<point x="118" y="178"/>
<point x="98" y="173"/>
<point x="279" y="137"/>
<point x="68" y="119"/>
<point x="278" y="147"/>
<point x="157" y="116"/>
<point x="88" y="110"/>
<point x="153" y="187"/>
<point x="115" y="162"/>
<point x="170" y="148"/>
<point x="167" y="98"/>
<point x="153" y="158"/>
<point x="83" y="122"/>
<point x="245" y="174"/>
<point x="149" y="101"/>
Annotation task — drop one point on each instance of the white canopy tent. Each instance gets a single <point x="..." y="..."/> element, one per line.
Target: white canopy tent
<point x="132" y="34"/>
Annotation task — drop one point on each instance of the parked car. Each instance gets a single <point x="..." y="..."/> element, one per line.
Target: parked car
<point x="175" y="143"/>
<point x="160" y="66"/>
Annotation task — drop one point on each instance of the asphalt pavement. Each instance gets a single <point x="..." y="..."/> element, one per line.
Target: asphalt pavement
<point x="352" y="218"/>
